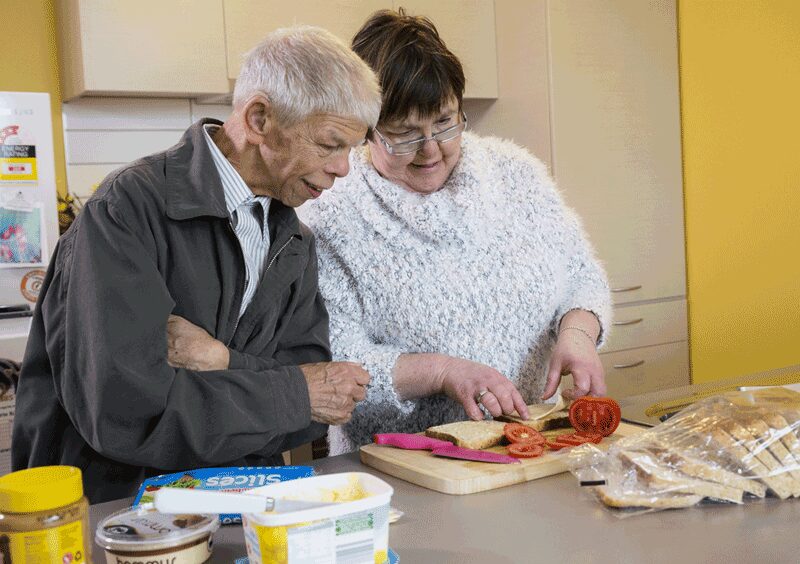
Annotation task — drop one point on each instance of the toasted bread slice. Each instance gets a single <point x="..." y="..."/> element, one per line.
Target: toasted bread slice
<point x="627" y="500"/>
<point x="470" y="434"/>
<point x="555" y="420"/>
<point x="752" y="463"/>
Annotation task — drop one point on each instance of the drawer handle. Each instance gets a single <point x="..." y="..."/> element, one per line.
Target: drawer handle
<point x="625" y="289"/>
<point x="628" y="322"/>
<point x="631" y="365"/>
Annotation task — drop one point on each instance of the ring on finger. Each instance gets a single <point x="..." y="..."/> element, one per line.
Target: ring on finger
<point x="480" y="395"/>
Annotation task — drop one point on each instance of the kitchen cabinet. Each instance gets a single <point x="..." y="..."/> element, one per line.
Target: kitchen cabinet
<point x="468" y="29"/>
<point x="248" y="21"/>
<point x="467" y="26"/>
<point x="616" y="154"/>
<point x="143" y="48"/>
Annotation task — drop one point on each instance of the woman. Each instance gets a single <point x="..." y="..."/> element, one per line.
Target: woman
<point x="449" y="264"/>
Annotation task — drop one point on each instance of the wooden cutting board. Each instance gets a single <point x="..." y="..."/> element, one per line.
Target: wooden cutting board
<point x="460" y="477"/>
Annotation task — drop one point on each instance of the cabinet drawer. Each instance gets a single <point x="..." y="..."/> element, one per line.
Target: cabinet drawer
<point x="647" y="325"/>
<point x="645" y="369"/>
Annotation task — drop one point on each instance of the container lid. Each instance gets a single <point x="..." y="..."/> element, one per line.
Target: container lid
<point x="142" y="528"/>
<point x="40" y="489"/>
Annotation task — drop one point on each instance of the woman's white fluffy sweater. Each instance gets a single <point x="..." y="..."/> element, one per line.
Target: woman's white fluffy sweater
<point x="482" y="269"/>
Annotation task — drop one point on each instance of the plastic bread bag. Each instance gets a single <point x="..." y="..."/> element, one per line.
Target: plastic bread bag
<point x="736" y="447"/>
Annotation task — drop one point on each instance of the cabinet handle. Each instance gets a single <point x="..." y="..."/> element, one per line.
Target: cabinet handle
<point x="626" y="289"/>
<point x="628" y="322"/>
<point x="631" y="365"/>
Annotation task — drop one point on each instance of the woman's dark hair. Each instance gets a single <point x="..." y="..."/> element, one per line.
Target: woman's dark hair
<point x="415" y="68"/>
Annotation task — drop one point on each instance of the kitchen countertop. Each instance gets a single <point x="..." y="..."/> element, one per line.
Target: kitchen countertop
<point x="553" y="520"/>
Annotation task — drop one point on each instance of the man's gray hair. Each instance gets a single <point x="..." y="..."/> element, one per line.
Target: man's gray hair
<point x="306" y="70"/>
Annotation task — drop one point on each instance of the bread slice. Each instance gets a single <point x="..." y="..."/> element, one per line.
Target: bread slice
<point x="751" y="463"/>
<point x="667" y="480"/>
<point x="763" y="451"/>
<point x="614" y="498"/>
<point x="712" y="473"/>
<point x="555" y="420"/>
<point x="470" y="434"/>
<point x="787" y="435"/>
<point x="772" y="438"/>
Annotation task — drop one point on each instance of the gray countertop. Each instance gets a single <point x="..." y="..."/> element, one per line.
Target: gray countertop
<point x="554" y="520"/>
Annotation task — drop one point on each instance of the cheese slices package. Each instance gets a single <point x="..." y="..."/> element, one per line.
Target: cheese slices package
<point x="734" y="447"/>
<point x="232" y="479"/>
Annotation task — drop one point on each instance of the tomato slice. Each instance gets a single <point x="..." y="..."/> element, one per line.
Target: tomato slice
<point x="577" y="439"/>
<point x="519" y="433"/>
<point x="595" y="415"/>
<point x="525" y="450"/>
<point x="593" y="437"/>
<point x="557" y="445"/>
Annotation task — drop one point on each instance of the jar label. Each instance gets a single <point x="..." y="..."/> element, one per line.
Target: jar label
<point x="63" y="545"/>
<point x="199" y="552"/>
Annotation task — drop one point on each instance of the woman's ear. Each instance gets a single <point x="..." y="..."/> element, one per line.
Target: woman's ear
<point x="258" y="119"/>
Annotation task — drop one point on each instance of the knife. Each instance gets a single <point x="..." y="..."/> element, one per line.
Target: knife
<point x="438" y="447"/>
<point x="409" y="441"/>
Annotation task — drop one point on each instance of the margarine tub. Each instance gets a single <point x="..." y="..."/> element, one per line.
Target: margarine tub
<point x="142" y="534"/>
<point x="354" y="529"/>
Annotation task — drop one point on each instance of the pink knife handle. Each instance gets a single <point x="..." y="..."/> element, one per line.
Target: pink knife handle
<point x="409" y="441"/>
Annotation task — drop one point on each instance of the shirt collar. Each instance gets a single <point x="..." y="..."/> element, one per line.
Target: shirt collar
<point x="233" y="185"/>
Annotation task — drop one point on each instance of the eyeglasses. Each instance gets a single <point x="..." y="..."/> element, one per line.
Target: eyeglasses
<point x="408" y="147"/>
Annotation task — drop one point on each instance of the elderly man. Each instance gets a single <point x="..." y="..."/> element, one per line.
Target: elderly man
<point x="179" y="324"/>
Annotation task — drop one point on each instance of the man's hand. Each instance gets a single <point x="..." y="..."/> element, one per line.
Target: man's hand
<point x="191" y="347"/>
<point x="464" y="381"/>
<point x="334" y="388"/>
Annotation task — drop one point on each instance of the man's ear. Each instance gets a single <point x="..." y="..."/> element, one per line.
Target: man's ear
<point x="258" y="119"/>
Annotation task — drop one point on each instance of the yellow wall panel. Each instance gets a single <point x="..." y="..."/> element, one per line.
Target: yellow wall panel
<point x="740" y="86"/>
<point x="28" y="62"/>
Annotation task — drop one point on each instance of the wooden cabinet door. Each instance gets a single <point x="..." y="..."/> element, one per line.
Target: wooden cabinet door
<point x="616" y="137"/>
<point x="248" y="21"/>
<point x="147" y="47"/>
<point x="468" y="29"/>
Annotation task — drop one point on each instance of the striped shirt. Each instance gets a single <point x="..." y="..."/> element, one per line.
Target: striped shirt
<point x="248" y="216"/>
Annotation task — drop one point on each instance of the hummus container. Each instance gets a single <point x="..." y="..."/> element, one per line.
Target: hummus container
<point x="353" y="529"/>
<point x="142" y="534"/>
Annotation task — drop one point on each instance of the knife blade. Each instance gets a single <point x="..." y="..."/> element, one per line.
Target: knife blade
<point x="462" y="453"/>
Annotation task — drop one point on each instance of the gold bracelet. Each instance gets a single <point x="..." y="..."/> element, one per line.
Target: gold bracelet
<point x="584" y="331"/>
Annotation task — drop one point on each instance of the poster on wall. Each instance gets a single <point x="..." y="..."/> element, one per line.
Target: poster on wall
<point x="17" y="146"/>
<point x="22" y="239"/>
<point x="28" y="218"/>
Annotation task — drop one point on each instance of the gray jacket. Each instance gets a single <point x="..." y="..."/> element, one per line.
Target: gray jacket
<point x="96" y="390"/>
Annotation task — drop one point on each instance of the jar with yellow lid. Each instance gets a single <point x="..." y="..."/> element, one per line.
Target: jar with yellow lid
<point x="44" y="516"/>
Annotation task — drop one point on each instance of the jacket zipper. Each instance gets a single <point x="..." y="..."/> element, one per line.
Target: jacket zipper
<point x="241" y="254"/>
<point x="241" y="290"/>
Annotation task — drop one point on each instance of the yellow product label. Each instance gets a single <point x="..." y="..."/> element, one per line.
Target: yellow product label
<point x="60" y="545"/>
<point x="18" y="169"/>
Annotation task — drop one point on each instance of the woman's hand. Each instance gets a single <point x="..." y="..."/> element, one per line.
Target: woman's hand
<point x="575" y="353"/>
<point x="464" y="380"/>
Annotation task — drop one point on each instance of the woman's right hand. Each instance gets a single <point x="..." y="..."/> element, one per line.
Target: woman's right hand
<point x="464" y="380"/>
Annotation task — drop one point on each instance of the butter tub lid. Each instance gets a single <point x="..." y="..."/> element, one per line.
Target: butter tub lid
<point x="142" y="528"/>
